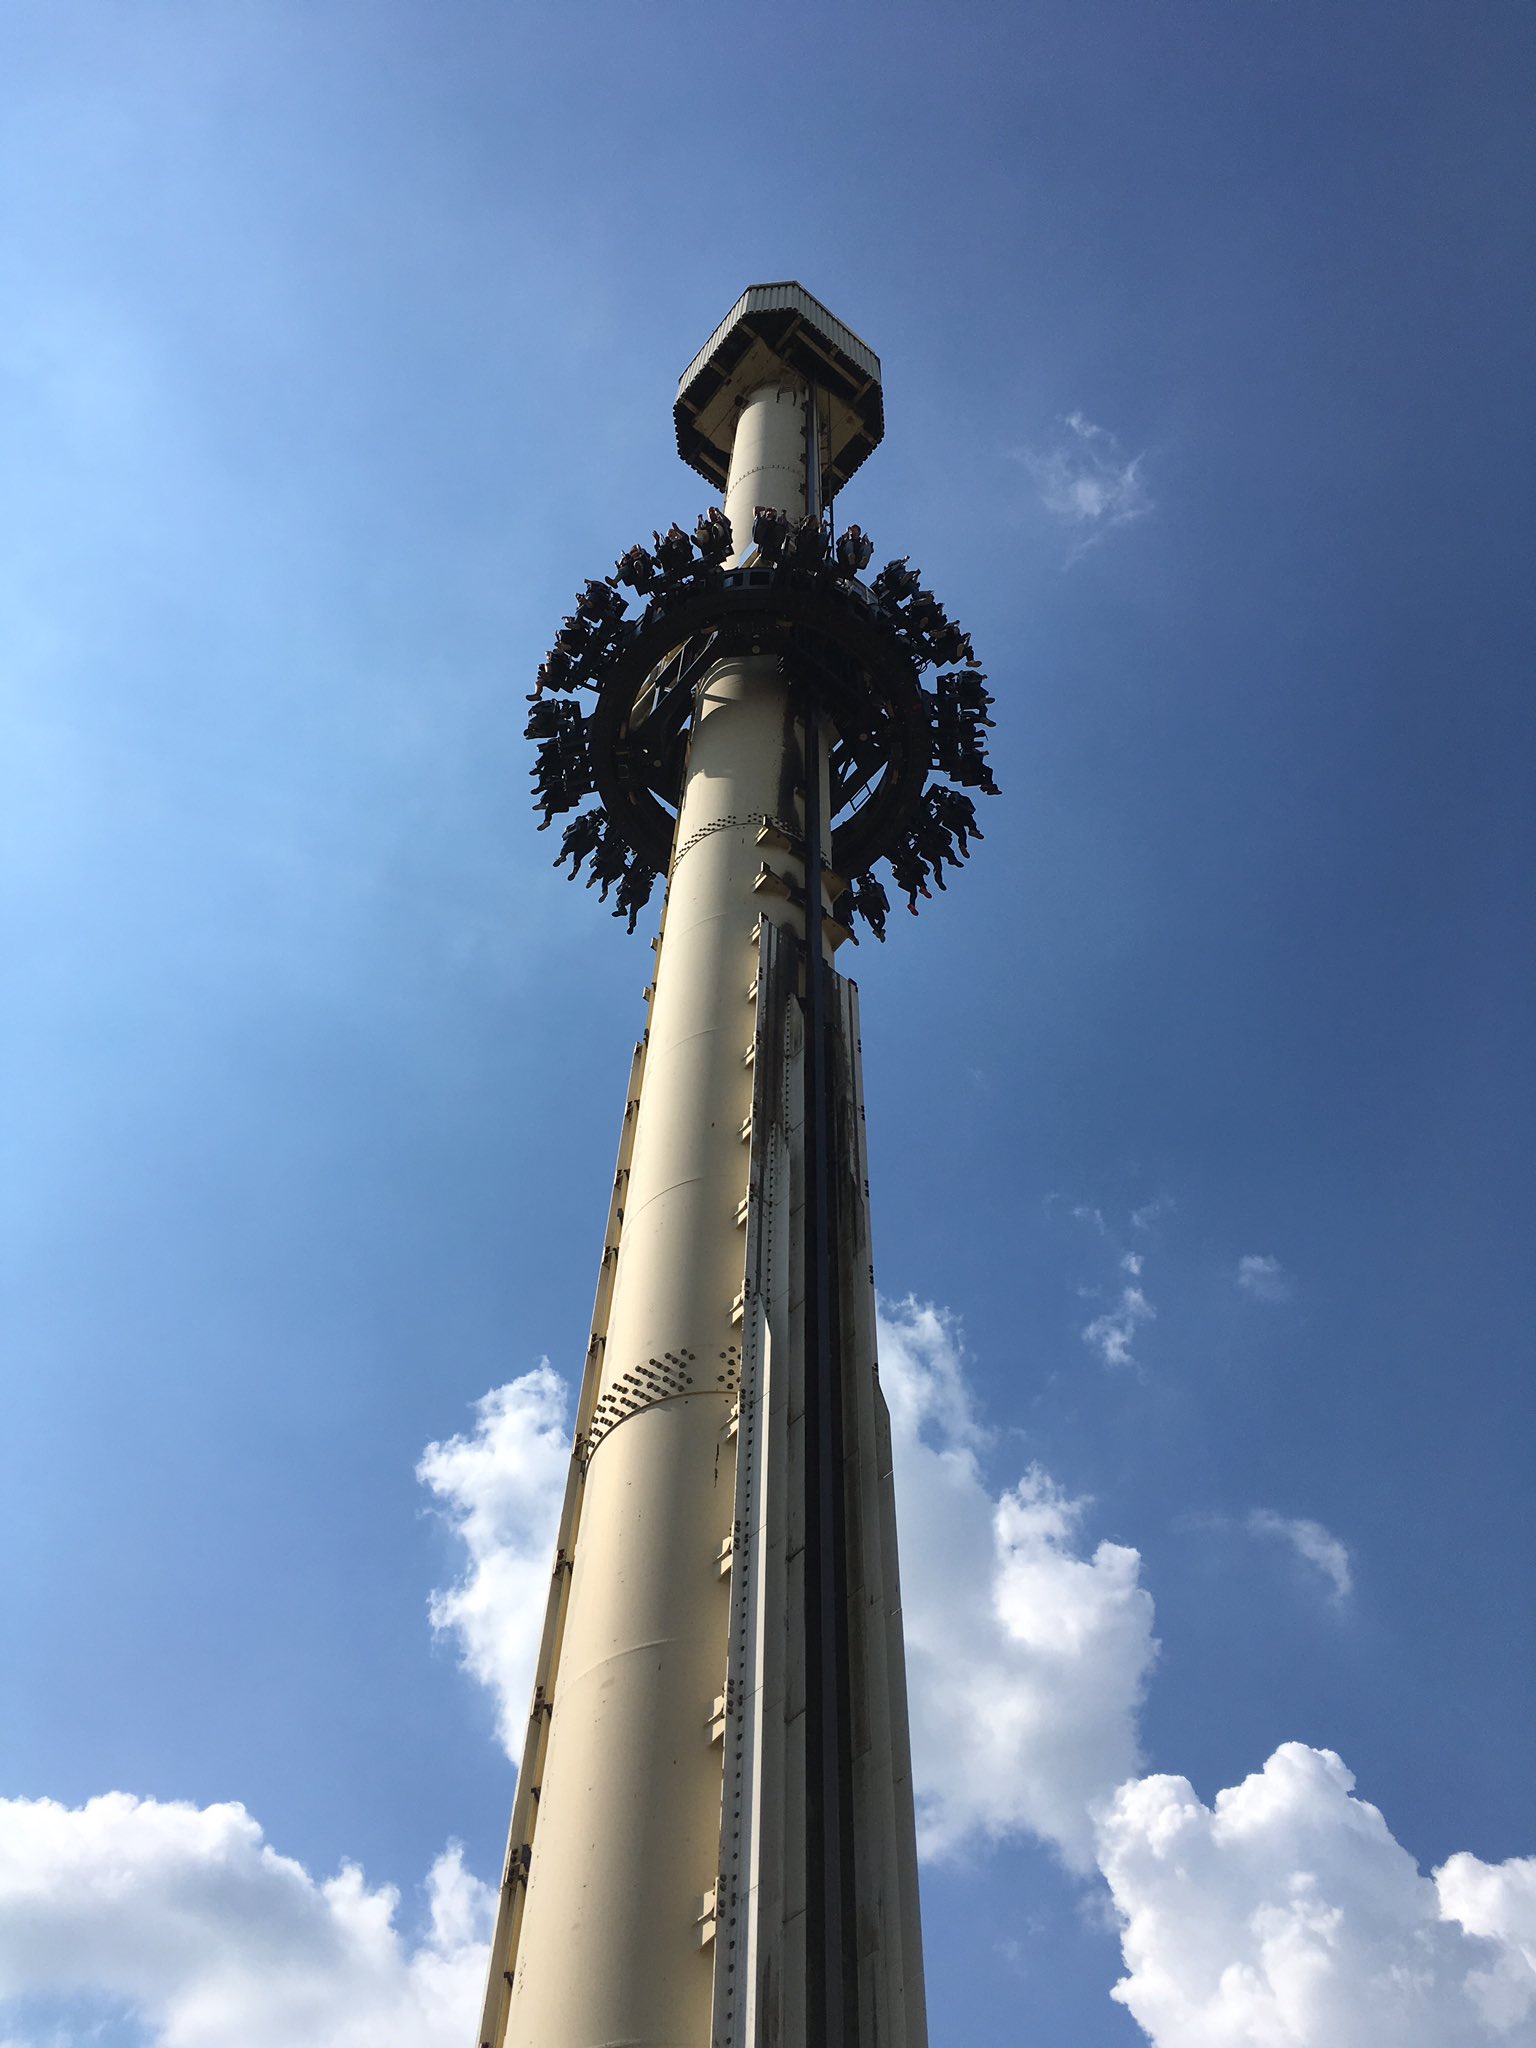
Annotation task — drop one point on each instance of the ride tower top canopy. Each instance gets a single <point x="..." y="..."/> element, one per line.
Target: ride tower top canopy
<point x="774" y="330"/>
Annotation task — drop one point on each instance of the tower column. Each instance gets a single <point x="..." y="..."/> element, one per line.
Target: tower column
<point x="767" y="457"/>
<point x="711" y="1842"/>
<point x="612" y="1945"/>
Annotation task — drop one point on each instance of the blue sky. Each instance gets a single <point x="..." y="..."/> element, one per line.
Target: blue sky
<point x="337" y="347"/>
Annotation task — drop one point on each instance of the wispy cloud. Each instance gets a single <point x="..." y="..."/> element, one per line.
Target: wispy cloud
<point x="1088" y="483"/>
<point x="1261" y="1275"/>
<point x="1112" y="1334"/>
<point x="1152" y="1212"/>
<point x="1311" y="1542"/>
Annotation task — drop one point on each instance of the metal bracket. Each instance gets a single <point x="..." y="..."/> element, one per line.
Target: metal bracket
<point x="767" y="882"/>
<point x="705" y="1918"/>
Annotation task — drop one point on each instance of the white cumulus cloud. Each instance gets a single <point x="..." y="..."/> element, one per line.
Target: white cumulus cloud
<point x="1088" y="483"/>
<point x="1497" y="1903"/>
<point x="1026" y="1655"/>
<point x="1261" y="1275"/>
<point x="1042" y="1651"/>
<point x="1311" y="1542"/>
<point x="190" y="1918"/>
<point x="1286" y="1916"/>
<point x="501" y="1487"/>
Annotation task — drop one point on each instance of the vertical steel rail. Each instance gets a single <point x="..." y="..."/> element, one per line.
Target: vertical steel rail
<point x="833" y="2009"/>
<point x="832" y="1980"/>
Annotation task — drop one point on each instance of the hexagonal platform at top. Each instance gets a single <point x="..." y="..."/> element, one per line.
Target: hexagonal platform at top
<point x="771" y="328"/>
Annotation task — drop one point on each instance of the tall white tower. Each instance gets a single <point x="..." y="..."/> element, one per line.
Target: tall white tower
<point x="712" y="1838"/>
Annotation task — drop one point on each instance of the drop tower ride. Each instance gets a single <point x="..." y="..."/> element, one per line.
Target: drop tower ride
<point x="712" y="1841"/>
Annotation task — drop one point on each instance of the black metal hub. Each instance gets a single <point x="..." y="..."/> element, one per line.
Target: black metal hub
<point x="828" y="635"/>
<point x="859" y="649"/>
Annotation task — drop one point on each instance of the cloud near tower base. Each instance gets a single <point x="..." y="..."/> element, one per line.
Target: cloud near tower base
<point x="1283" y="1915"/>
